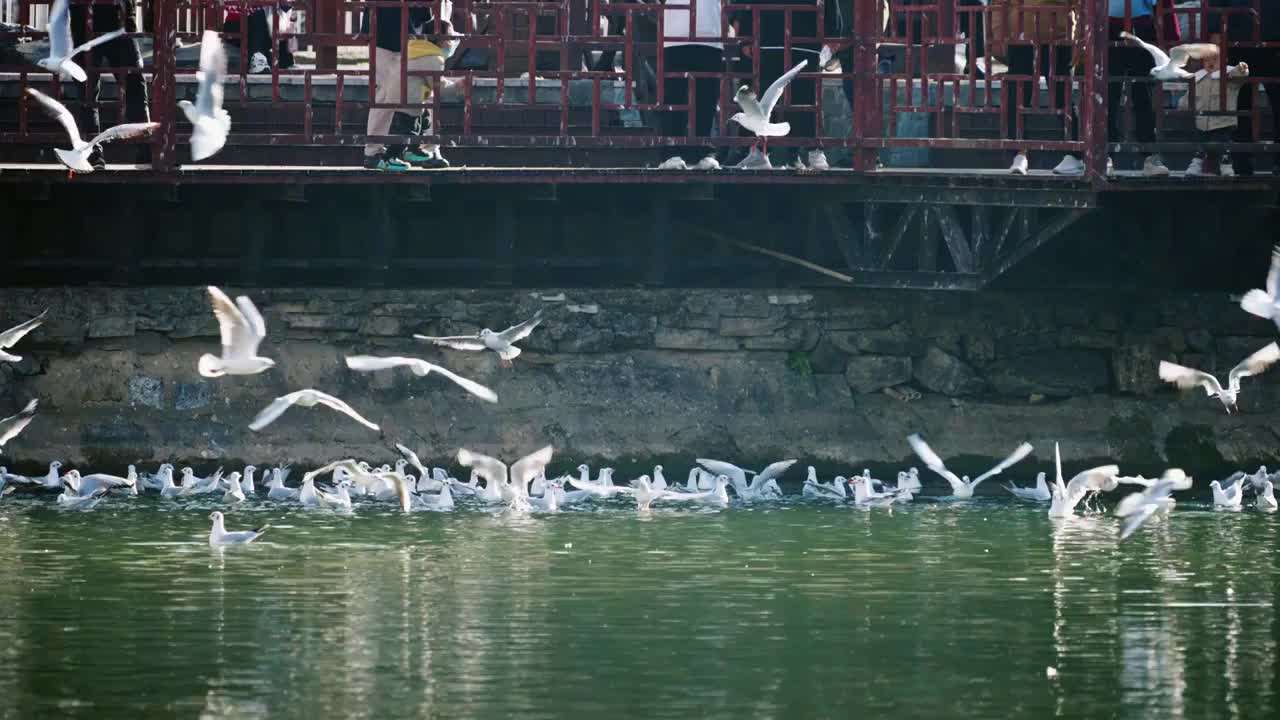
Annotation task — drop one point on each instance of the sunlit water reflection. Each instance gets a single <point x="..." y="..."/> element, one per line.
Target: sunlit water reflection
<point x="795" y="610"/>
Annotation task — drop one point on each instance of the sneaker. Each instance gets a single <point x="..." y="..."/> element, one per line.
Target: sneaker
<point x="1225" y="168"/>
<point x="708" y="163"/>
<point x="818" y="160"/>
<point x="1019" y="166"/>
<point x="1196" y="168"/>
<point x="258" y="64"/>
<point x="381" y="162"/>
<point x="96" y="158"/>
<point x="1153" y="166"/>
<point x="1070" y="165"/>
<point x="428" y="159"/>
<point x="675" y="162"/>
<point x="1111" y="167"/>
<point x="755" y="160"/>
<point x="797" y="164"/>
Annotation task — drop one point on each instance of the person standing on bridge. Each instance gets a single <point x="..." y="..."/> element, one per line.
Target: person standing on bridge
<point x="1134" y="62"/>
<point x="1262" y="62"/>
<point x="119" y="53"/>
<point x="687" y="49"/>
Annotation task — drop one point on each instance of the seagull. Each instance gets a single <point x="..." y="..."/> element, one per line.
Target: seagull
<point x="247" y="485"/>
<point x="61" y="51"/>
<point x="738" y="476"/>
<point x="549" y="500"/>
<point x="219" y="535"/>
<point x="659" y="482"/>
<point x="717" y="496"/>
<point x="815" y="488"/>
<point x="421" y="368"/>
<point x="10" y="337"/>
<point x="242" y="329"/>
<point x="53" y="479"/>
<point x="1263" y="303"/>
<point x="4" y="491"/>
<point x="1266" y="500"/>
<point x="11" y="426"/>
<point x="1185" y="377"/>
<point x="1139" y="506"/>
<point x="210" y="123"/>
<point x="1229" y="498"/>
<point x="192" y="485"/>
<point x="1066" y="496"/>
<point x="512" y="483"/>
<point x="756" y="113"/>
<point x="77" y="158"/>
<point x="338" y="499"/>
<point x="1170" y="67"/>
<point x="963" y="488"/>
<point x="603" y="488"/>
<point x="502" y="343"/>
<point x="865" y="496"/>
<point x="1039" y="493"/>
<point x="95" y="484"/>
<point x="71" y="500"/>
<point x="167" y="486"/>
<point x="234" y="493"/>
<point x="305" y="398"/>
<point x="8" y="478"/>
<point x="276" y="489"/>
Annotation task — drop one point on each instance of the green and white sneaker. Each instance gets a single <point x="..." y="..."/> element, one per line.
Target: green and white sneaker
<point x="419" y="158"/>
<point x="382" y="162"/>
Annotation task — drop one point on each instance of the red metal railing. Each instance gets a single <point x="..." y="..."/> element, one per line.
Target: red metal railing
<point x="535" y="74"/>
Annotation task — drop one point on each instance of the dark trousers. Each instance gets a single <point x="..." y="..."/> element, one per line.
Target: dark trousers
<point x="119" y="53"/>
<point x="1022" y="61"/>
<point x="675" y="91"/>
<point x="258" y="34"/>
<point x="1263" y="62"/>
<point x="1131" y="62"/>
<point x="804" y="91"/>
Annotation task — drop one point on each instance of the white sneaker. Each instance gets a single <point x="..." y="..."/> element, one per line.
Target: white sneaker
<point x="1019" y="166"/>
<point x="1070" y="165"/>
<point x="1225" y="168"/>
<point x="258" y="64"/>
<point x="1111" y="167"/>
<point x="755" y="160"/>
<point x="708" y="163"/>
<point x="818" y="160"/>
<point x="675" y="162"/>
<point x="1153" y="166"/>
<point x="1196" y="167"/>
<point x="796" y="164"/>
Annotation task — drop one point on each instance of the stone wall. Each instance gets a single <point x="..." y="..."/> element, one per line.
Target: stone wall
<point x="632" y="375"/>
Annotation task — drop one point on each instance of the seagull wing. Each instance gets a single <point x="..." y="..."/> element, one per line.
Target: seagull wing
<point x="1185" y="377"/>
<point x="333" y="402"/>
<point x="933" y="462"/>
<point x="1091" y="480"/>
<point x="491" y="469"/>
<point x="516" y="333"/>
<point x="1139" y="513"/>
<point x="367" y="363"/>
<point x="1180" y="54"/>
<point x="1253" y="365"/>
<point x="273" y="411"/>
<point x="10" y="337"/>
<point x="59" y="112"/>
<point x="735" y="474"/>
<point x="1021" y="452"/>
<point x="774" y="93"/>
<point x="213" y="68"/>
<point x="773" y="471"/>
<point x="530" y="466"/>
<point x="60" y="29"/>
<point x="747" y="100"/>
<point x="371" y="363"/>
<point x="1273" y="274"/>
<point x="14" y="424"/>
<point x="95" y="42"/>
<point x="412" y="457"/>
<point x="457" y="342"/>
<point x="1156" y="53"/>
<point x="127" y="131"/>
<point x="253" y="318"/>
<point x="233" y="326"/>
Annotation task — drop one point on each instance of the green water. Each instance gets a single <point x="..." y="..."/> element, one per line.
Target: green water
<point x="939" y="610"/>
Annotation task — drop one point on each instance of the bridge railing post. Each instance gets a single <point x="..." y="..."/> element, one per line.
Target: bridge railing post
<point x="868" y="104"/>
<point x="164" y="85"/>
<point x="1093" y="91"/>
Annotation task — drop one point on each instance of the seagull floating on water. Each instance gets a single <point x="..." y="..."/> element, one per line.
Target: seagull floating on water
<point x="1266" y="499"/>
<point x="11" y="426"/>
<point x="1172" y="66"/>
<point x="1066" y="496"/>
<point x="1039" y="493"/>
<point x="511" y="483"/>
<point x="219" y="535"/>
<point x="502" y="343"/>
<point x="1139" y="506"/>
<point x="61" y="51"/>
<point x="1230" y="497"/>
<point x="421" y="368"/>
<point x="1185" y="377"/>
<point x="77" y="158"/>
<point x="210" y="123"/>
<point x="306" y="398"/>
<point x="756" y="114"/>
<point x="738" y="477"/>
<point x="10" y="337"/>
<point x="242" y="329"/>
<point x="962" y="487"/>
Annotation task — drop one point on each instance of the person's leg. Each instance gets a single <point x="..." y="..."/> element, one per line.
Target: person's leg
<point x="419" y="89"/>
<point x="1017" y="94"/>
<point x="1063" y="95"/>
<point x="675" y="91"/>
<point x="1243" y="161"/>
<point x="259" y="35"/>
<point x="706" y="97"/>
<point x="1117" y="66"/>
<point x="804" y="92"/>
<point x="386" y="90"/>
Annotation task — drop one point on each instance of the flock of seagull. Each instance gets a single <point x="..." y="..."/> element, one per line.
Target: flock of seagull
<point x="524" y="485"/>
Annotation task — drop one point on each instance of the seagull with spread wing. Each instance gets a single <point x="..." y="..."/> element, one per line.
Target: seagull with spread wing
<point x="1265" y="303"/>
<point x="962" y="487"/>
<point x="1185" y="377"/>
<point x="242" y="329"/>
<point x="1139" y="506"/>
<point x="1067" y="495"/>
<point x="512" y="483"/>
<point x="10" y="337"/>
<point x="306" y="398"/>
<point x="61" y="51"/>
<point x="14" y="424"/>
<point x="1172" y="66"/>
<point x="421" y="368"/>
<point x="77" y="158"/>
<point x="502" y="343"/>
<point x="210" y="123"/>
<point x="756" y="113"/>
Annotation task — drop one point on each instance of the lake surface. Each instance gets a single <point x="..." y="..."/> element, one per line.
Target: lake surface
<point x="790" y="611"/>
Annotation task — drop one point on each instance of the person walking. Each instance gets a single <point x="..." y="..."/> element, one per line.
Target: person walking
<point x="121" y="52"/>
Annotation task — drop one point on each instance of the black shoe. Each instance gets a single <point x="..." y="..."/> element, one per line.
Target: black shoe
<point x="96" y="159"/>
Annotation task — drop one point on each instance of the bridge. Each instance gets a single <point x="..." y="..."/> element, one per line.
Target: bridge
<point x="549" y="113"/>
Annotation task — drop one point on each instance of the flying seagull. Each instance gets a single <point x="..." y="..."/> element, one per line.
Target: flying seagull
<point x="219" y="535"/>
<point x="502" y="343"/>
<point x="10" y="337"/>
<point x="756" y="113"/>
<point x="1171" y="66"/>
<point x="59" y="61"/>
<point x="421" y="368"/>
<point x="305" y="398"/>
<point x="1266" y="303"/>
<point x="963" y="487"/>
<point x="242" y="329"/>
<point x="1139" y="506"/>
<point x="210" y="123"/>
<point x="14" y="424"/>
<point x="1185" y="377"/>
<point x="77" y="158"/>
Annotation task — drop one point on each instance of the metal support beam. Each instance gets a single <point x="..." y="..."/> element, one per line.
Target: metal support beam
<point x="953" y="235"/>
<point x="1063" y="221"/>
<point x="895" y="236"/>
